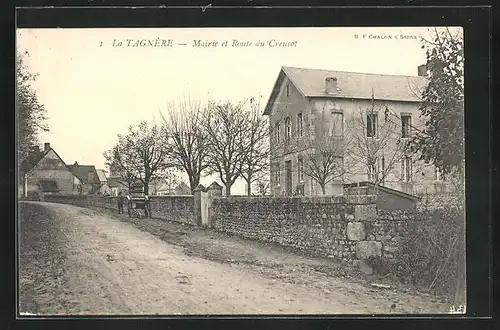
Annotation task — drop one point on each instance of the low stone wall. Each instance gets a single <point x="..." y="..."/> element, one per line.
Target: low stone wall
<point x="334" y="227"/>
<point x="174" y="208"/>
<point x="171" y="208"/>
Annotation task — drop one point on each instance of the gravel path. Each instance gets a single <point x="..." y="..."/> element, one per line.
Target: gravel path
<point x="81" y="261"/>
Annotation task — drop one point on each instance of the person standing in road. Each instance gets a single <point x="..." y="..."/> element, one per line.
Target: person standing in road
<point x="121" y="201"/>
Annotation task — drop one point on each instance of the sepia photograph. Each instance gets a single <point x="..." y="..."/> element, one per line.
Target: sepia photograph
<point x="240" y="171"/>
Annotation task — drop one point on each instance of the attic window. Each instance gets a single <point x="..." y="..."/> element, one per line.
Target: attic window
<point x="287" y="90"/>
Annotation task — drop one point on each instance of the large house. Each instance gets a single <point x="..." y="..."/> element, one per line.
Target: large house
<point x="307" y="105"/>
<point x="44" y="172"/>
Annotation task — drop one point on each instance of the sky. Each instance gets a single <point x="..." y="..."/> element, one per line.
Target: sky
<point x="94" y="88"/>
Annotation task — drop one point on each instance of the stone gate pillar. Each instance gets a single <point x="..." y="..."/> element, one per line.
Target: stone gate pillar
<point x="197" y="203"/>
<point x="214" y="191"/>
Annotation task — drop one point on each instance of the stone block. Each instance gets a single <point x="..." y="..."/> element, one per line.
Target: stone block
<point x="365" y="212"/>
<point x="366" y="249"/>
<point x="356" y="231"/>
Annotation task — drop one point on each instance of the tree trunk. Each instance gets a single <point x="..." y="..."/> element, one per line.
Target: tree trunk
<point x="194" y="181"/>
<point x="249" y="188"/>
<point x="146" y="187"/>
<point x="228" y="188"/>
<point x="323" y="188"/>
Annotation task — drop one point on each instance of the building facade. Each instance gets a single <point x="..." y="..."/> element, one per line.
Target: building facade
<point x="359" y="124"/>
<point x="87" y="174"/>
<point x="45" y="172"/>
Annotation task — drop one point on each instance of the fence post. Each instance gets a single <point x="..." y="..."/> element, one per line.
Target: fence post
<point x="197" y="203"/>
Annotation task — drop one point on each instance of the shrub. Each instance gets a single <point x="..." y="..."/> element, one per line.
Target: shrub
<point x="431" y="256"/>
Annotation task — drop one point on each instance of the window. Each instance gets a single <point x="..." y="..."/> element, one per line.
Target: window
<point x="277" y="130"/>
<point x="301" y="170"/>
<point x="406" y="171"/>
<point x="299" y="125"/>
<point x="337" y="128"/>
<point x="438" y="174"/>
<point x="405" y="126"/>
<point x="288" y="127"/>
<point x="288" y="90"/>
<point x="371" y="125"/>
<point x="278" y="175"/>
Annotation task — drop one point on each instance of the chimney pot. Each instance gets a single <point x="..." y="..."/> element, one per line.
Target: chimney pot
<point x="46" y="146"/>
<point x="422" y="70"/>
<point x="331" y="85"/>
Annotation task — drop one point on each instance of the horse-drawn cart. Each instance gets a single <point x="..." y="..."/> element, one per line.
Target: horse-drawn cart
<point x="137" y="200"/>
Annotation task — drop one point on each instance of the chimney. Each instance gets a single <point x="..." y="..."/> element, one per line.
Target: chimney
<point x="35" y="149"/>
<point x="46" y="146"/>
<point x="331" y="85"/>
<point x="422" y="70"/>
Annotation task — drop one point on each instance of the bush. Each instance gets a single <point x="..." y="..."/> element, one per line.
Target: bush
<point x="431" y="256"/>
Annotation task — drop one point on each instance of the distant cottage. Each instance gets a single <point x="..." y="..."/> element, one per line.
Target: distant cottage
<point x="88" y="177"/>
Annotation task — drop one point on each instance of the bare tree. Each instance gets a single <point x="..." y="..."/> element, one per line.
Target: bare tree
<point x="255" y="145"/>
<point x="324" y="161"/>
<point x="225" y="125"/>
<point x="321" y="147"/>
<point x="119" y="165"/>
<point x="378" y="142"/>
<point x="262" y="183"/>
<point x="143" y="152"/>
<point x="167" y="178"/>
<point x="183" y="122"/>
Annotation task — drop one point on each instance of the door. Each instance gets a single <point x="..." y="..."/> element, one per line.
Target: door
<point x="288" y="177"/>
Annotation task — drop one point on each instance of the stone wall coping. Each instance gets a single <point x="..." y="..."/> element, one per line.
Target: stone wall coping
<point x="302" y="199"/>
<point x="111" y="197"/>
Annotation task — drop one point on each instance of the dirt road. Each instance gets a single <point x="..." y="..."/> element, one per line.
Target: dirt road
<point x="81" y="261"/>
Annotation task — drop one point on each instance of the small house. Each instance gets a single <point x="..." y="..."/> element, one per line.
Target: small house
<point x="44" y="172"/>
<point x="88" y="176"/>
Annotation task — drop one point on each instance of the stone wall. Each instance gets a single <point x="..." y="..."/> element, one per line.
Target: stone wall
<point x="348" y="228"/>
<point x="171" y="208"/>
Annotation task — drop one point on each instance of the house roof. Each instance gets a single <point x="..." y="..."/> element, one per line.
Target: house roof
<point x="114" y="181"/>
<point x="183" y="186"/>
<point x="35" y="157"/>
<point x="101" y="174"/>
<point x="353" y="85"/>
<point x="48" y="186"/>
<point x="82" y="172"/>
